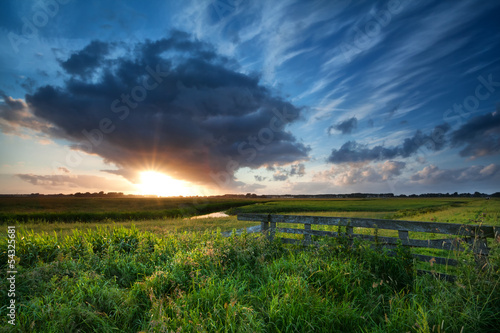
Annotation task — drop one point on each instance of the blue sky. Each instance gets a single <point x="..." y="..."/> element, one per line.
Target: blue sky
<point x="240" y="96"/>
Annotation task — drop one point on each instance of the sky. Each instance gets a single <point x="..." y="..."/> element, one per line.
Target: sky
<point x="240" y="96"/>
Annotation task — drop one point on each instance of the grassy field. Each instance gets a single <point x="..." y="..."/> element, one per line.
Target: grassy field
<point x="446" y="210"/>
<point x="95" y="209"/>
<point x="121" y="279"/>
<point x="82" y="209"/>
<point x="352" y="205"/>
<point x="455" y="210"/>
<point x="180" y="275"/>
<point x="468" y="211"/>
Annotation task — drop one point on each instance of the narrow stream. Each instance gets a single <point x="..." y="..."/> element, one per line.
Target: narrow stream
<point x="211" y="215"/>
<point x="250" y="230"/>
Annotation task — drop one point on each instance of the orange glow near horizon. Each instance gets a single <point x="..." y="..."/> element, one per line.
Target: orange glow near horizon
<point x="156" y="183"/>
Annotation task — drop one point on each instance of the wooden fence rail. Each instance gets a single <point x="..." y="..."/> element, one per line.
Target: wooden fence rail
<point x="475" y="236"/>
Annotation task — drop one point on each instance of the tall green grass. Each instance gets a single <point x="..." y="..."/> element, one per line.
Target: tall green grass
<point x="126" y="280"/>
<point x="157" y="226"/>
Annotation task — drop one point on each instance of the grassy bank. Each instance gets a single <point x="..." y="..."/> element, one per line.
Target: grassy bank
<point x="158" y="226"/>
<point x="119" y="279"/>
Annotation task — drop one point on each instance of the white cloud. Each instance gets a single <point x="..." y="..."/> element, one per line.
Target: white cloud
<point x="360" y="173"/>
<point x="75" y="183"/>
<point x="434" y="175"/>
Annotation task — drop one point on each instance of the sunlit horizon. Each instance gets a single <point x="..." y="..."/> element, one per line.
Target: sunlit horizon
<point x="162" y="185"/>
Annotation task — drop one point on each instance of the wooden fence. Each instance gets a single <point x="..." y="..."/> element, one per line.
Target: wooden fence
<point x="475" y="236"/>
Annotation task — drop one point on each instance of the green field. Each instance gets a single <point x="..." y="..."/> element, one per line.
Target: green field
<point x="353" y="205"/>
<point x="455" y="210"/>
<point x="88" y="209"/>
<point x="81" y="209"/>
<point x="158" y="273"/>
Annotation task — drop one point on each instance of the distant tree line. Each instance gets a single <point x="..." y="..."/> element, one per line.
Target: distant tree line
<point x="280" y="196"/>
<point x="366" y="195"/>
<point x="77" y="194"/>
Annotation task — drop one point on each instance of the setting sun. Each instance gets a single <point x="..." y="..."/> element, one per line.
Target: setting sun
<point x="156" y="183"/>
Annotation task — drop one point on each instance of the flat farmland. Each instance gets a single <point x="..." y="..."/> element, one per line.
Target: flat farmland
<point x="453" y="210"/>
<point x="96" y="209"/>
<point x="69" y="209"/>
<point x="125" y="264"/>
<point x="164" y="215"/>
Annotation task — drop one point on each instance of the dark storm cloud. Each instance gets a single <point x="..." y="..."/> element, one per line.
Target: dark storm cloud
<point x="172" y="105"/>
<point x="352" y="151"/>
<point x="85" y="61"/>
<point x="345" y="127"/>
<point x="480" y="136"/>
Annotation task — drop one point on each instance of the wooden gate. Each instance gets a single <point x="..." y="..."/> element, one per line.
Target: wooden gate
<point x="459" y="236"/>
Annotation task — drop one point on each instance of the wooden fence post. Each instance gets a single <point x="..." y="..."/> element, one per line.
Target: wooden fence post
<point x="349" y="232"/>
<point x="404" y="236"/>
<point x="479" y="246"/>
<point x="264" y="227"/>
<point x="273" y="228"/>
<point x="307" y="238"/>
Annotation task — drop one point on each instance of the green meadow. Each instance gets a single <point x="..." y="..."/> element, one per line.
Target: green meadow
<point x="169" y="273"/>
<point x="104" y="209"/>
